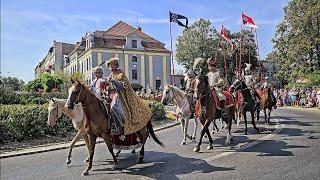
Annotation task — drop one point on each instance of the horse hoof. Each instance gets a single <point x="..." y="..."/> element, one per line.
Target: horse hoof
<point x="183" y="143"/>
<point x="68" y="162"/>
<point x="133" y="151"/>
<point x="85" y="173"/>
<point x="245" y="133"/>
<point x="209" y="147"/>
<point x="228" y="142"/>
<point x="196" y="149"/>
<point x="114" y="167"/>
<point x="140" y="161"/>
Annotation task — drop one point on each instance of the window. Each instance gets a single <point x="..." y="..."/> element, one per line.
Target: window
<point x="87" y="64"/>
<point x="134" y="59"/>
<point x="134" y="43"/>
<point x="134" y="74"/>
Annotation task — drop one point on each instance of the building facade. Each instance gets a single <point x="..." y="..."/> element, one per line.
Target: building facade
<point x="54" y="60"/>
<point x="144" y="59"/>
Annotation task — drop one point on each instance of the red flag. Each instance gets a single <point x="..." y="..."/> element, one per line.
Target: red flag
<point x="248" y="21"/>
<point x="224" y="35"/>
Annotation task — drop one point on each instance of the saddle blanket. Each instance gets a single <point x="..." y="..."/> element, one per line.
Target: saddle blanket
<point x="229" y="101"/>
<point x="125" y="142"/>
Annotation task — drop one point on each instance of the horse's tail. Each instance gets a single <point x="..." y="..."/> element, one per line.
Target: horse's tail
<point x="153" y="135"/>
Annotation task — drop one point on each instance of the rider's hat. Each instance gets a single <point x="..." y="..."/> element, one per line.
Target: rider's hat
<point x="112" y="60"/>
<point x="98" y="70"/>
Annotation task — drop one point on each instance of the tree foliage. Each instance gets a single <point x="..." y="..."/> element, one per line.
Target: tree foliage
<point x="12" y="83"/>
<point x="296" y="45"/>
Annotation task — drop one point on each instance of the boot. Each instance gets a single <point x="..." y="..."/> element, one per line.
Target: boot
<point x="223" y="109"/>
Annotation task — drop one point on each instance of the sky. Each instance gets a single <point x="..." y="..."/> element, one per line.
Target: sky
<point x="28" y="28"/>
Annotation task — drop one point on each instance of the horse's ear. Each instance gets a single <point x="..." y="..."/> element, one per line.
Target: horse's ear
<point x="53" y="99"/>
<point x="49" y="100"/>
<point x="72" y="81"/>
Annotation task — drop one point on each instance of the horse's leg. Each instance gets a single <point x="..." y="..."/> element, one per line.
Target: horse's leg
<point x="118" y="152"/>
<point x="183" y="124"/>
<point x="239" y="117"/>
<point x="142" y="135"/>
<point x="73" y="142"/>
<point x="203" y="130"/>
<point x="252" y="121"/>
<point x="186" y="128"/>
<point x="245" y="122"/>
<point x="258" y="115"/>
<point x="269" y="114"/>
<point x="229" y="123"/>
<point x="195" y="129"/>
<point x="265" y="115"/>
<point x="108" y="141"/>
<point x="92" y="144"/>
<point x="86" y="140"/>
<point x="210" y="139"/>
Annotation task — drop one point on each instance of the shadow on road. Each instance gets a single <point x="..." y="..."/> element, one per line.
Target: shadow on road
<point x="161" y="165"/>
<point x="276" y="148"/>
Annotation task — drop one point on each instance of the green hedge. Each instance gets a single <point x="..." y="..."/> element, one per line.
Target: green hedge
<point x="158" y="110"/>
<point x="12" y="97"/>
<point x="22" y="122"/>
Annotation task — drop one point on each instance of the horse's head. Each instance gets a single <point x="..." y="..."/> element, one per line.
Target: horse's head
<point x="201" y="86"/>
<point x="167" y="94"/>
<point x="76" y="94"/>
<point x="237" y="85"/>
<point x="53" y="112"/>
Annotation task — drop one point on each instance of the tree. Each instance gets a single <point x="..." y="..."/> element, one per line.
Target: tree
<point x="296" y="45"/>
<point x="199" y="40"/>
<point x="12" y="83"/>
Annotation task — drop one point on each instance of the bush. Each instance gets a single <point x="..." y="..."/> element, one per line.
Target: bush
<point x="158" y="110"/>
<point x="9" y="96"/>
<point x="30" y="98"/>
<point x="22" y="122"/>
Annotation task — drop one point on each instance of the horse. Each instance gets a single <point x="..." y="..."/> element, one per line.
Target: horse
<point x="265" y="103"/>
<point x="183" y="111"/>
<point x="247" y="102"/>
<point x="55" y="110"/>
<point x="98" y="122"/>
<point x="207" y="110"/>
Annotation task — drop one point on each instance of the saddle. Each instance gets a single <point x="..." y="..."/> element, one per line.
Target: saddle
<point x="229" y="102"/>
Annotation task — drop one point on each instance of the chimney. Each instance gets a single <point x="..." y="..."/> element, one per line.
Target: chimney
<point x="139" y="28"/>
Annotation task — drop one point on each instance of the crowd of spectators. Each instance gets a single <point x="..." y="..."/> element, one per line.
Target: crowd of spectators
<point x="298" y="97"/>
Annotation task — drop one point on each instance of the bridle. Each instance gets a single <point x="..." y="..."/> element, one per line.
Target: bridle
<point x="77" y="99"/>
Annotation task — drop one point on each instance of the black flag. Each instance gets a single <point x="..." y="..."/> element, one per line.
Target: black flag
<point x="175" y="18"/>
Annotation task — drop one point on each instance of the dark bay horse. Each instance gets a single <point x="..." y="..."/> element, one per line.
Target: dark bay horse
<point x="265" y="103"/>
<point x="247" y="103"/>
<point x="207" y="111"/>
<point x="98" y="121"/>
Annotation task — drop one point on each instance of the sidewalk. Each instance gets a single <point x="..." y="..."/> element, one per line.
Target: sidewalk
<point x="65" y="145"/>
<point x="313" y="109"/>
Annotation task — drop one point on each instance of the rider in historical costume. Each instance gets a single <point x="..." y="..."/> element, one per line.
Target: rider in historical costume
<point x="216" y="82"/>
<point x="250" y="81"/>
<point x="189" y="88"/>
<point x="136" y="113"/>
<point x="95" y="85"/>
<point x="266" y="85"/>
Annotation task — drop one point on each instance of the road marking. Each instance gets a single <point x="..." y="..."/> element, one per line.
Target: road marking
<point x="244" y="146"/>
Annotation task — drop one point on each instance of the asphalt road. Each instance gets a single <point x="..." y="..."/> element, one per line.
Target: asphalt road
<point x="288" y="149"/>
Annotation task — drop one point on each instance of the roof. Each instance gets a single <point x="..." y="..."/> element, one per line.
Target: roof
<point x="115" y="38"/>
<point x="122" y="29"/>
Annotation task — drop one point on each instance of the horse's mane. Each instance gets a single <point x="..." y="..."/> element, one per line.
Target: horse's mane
<point x="179" y="91"/>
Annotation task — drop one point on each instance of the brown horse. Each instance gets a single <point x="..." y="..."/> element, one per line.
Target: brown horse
<point x="265" y="103"/>
<point x="247" y="102"/>
<point x="98" y="121"/>
<point x="207" y="110"/>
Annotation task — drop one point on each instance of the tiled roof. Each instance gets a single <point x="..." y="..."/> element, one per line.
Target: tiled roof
<point x="115" y="38"/>
<point x="122" y="29"/>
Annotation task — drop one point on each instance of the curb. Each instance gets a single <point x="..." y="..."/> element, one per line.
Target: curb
<point x="36" y="150"/>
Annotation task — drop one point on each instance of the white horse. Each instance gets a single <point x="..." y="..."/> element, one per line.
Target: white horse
<point x="55" y="110"/>
<point x="183" y="111"/>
